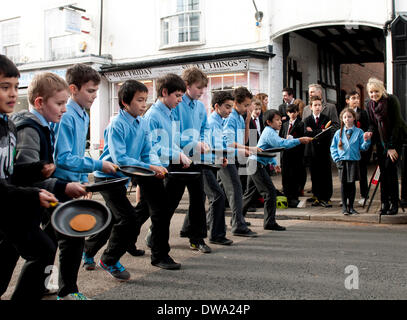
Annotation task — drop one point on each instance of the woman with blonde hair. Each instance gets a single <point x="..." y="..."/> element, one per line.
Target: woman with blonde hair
<point x="388" y="131"/>
<point x="264" y="98"/>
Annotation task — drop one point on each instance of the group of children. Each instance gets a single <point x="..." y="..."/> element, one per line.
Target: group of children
<point x="43" y="160"/>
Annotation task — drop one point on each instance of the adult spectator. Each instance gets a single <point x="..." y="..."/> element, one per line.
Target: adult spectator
<point x="388" y="131"/>
<point x="288" y="98"/>
<point x="301" y="106"/>
<point x="264" y="98"/>
<point x="328" y="109"/>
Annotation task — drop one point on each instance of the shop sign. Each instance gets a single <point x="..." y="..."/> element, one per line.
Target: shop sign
<point x="210" y="67"/>
<point x="26" y="77"/>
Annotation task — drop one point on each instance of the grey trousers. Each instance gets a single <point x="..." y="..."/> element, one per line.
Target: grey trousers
<point x="233" y="190"/>
<point x="260" y="181"/>
<point x="215" y="217"/>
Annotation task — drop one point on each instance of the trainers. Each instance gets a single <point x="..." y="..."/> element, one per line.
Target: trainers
<point x="326" y="204"/>
<point x="88" y="262"/>
<point x="222" y="241"/>
<point x="316" y="203"/>
<point x="245" y="233"/>
<point x="167" y="263"/>
<point x="74" y="296"/>
<point x="135" y="252"/>
<point x="117" y="271"/>
<point x="200" y="246"/>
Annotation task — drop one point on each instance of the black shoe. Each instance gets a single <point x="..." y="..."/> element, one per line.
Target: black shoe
<point x="293" y="203"/>
<point x="135" y="252"/>
<point x="385" y="206"/>
<point x="275" y="227"/>
<point x="167" y="263"/>
<point x="245" y="233"/>
<point x="394" y="208"/>
<point x="248" y="223"/>
<point x="222" y="241"/>
<point x="353" y="211"/>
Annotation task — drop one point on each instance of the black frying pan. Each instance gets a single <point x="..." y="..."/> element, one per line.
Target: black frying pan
<point x="65" y="212"/>
<point x="266" y="154"/>
<point x="105" y="185"/>
<point x="322" y="133"/>
<point x="133" y="171"/>
<point x="273" y="150"/>
<point x="183" y="175"/>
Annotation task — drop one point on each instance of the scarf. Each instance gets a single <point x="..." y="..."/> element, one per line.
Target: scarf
<point x="378" y="111"/>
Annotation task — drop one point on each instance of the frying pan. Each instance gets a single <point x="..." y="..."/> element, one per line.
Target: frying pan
<point x="322" y="133"/>
<point x="186" y="175"/>
<point x="272" y="150"/>
<point x="266" y="154"/>
<point x="65" y="212"/>
<point x="132" y="171"/>
<point x="105" y="185"/>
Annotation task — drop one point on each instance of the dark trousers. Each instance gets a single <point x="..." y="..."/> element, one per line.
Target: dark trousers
<point x="389" y="186"/>
<point x="363" y="165"/>
<point x="216" y="197"/>
<point x="122" y="233"/>
<point x="292" y="174"/>
<point x="33" y="245"/>
<point x="233" y="189"/>
<point x="70" y="256"/>
<point x="195" y="219"/>
<point x="260" y="181"/>
<point x="321" y="177"/>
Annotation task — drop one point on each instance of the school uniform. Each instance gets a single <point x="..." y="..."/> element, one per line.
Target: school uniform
<point x="191" y="116"/>
<point x="128" y="142"/>
<point x="260" y="180"/>
<point x="317" y="154"/>
<point x="20" y="233"/>
<point x="71" y="166"/>
<point x="347" y="160"/>
<point x="292" y="161"/>
<point x="216" y="196"/>
<point x="233" y="131"/>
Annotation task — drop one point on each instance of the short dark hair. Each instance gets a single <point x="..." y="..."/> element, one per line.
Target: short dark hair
<point x="7" y="68"/>
<point x="79" y="74"/>
<point x="241" y="93"/>
<point x="352" y="93"/>
<point x="269" y="115"/>
<point x="127" y="91"/>
<point x="171" y="82"/>
<point x="293" y="108"/>
<point x="314" y="98"/>
<point x="219" y="97"/>
<point x="289" y="91"/>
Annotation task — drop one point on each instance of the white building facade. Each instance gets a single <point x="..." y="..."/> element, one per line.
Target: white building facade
<point x="264" y="45"/>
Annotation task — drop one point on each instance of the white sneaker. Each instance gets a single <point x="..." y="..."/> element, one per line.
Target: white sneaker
<point x="361" y="201"/>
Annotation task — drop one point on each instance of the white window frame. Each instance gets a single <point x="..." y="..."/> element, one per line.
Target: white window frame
<point x="54" y="30"/>
<point x="14" y="43"/>
<point x="171" y="24"/>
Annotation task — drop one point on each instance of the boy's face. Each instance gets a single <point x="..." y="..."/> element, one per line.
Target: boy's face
<point x="86" y="95"/>
<point x="316" y="107"/>
<point x="8" y="94"/>
<point x="275" y="123"/>
<point x="137" y="105"/>
<point x="353" y="101"/>
<point x="292" y="115"/>
<point x="225" y="109"/>
<point x="241" y="108"/>
<point x="196" y="90"/>
<point x="53" y="109"/>
<point x="256" y="111"/>
<point x="173" y="99"/>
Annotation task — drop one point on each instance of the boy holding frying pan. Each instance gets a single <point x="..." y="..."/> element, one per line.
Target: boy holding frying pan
<point x="128" y="143"/>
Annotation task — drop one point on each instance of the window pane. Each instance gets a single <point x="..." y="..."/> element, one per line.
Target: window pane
<point x="241" y="79"/>
<point x="180" y="6"/>
<point x="254" y="83"/>
<point x="13" y="53"/>
<point x="228" y="82"/>
<point x="216" y="83"/>
<point x="10" y="32"/>
<point x="194" y="34"/>
<point x="62" y="47"/>
<point x="193" y="4"/>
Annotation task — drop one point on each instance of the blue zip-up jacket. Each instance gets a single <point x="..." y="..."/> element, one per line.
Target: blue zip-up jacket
<point x="163" y="128"/>
<point x="270" y="139"/>
<point x="70" y="143"/>
<point x="193" y="122"/>
<point x="234" y="128"/>
<point x="350" y="148"/>
<point x="127" y="143"/>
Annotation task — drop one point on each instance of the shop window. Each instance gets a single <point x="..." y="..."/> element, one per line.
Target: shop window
<point x="10" y="39"/>
<point x="184" y="26"/>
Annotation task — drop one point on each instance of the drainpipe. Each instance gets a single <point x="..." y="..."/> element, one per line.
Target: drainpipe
<point x="100" y="27"/>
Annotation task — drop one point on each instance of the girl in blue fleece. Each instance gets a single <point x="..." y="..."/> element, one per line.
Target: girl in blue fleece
<point x="345" y="151"/>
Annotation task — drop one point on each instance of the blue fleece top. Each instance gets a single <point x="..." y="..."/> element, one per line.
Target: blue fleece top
<point x="350" y="148"/>
<point x="70" y="143"/>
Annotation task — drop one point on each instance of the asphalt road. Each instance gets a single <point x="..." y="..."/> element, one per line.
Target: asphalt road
<point x="306" y="262"/>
